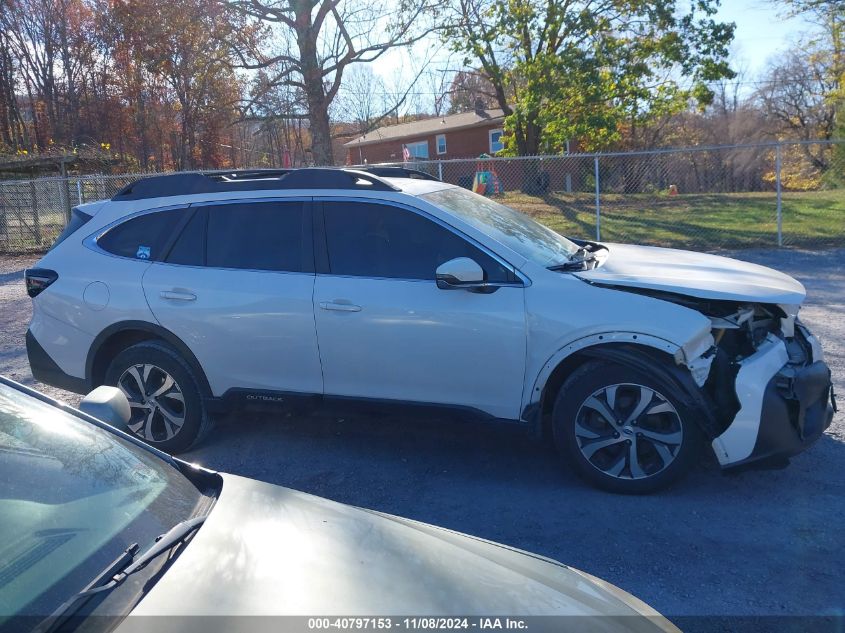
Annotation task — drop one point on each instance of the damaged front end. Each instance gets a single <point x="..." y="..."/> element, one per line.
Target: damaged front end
<point x="765" y="375"/>
<point x="771" y="385"/>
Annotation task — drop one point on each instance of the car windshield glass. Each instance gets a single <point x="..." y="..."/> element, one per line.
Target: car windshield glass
<point x="515" y="230"/>
<point x="72" y="498"/>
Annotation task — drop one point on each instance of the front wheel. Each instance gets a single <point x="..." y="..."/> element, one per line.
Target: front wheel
<point x="623" y="430"/>
<point x="164" y="396"/>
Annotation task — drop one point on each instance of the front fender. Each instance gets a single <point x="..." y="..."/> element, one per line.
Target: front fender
<point x="566" y="315"/>
<point x="685" y="375"/>
<point x="534" y="390"/>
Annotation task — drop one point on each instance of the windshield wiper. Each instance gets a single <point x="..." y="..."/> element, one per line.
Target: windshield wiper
<point x="581" y="253"/>
<point x="577" y="261"/>
<point x="574" y="265"/>
<point x="164" y="543"/>
<point x="123" y="566"/>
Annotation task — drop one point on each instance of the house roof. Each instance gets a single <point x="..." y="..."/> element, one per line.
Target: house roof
<point x="426" y="127"/>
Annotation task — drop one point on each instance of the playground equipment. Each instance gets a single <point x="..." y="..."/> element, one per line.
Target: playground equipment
<point x="486" y="181"/>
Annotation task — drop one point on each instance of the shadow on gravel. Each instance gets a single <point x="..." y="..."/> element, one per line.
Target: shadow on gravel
<point x="353" y="446"/>
<point x="9" y="277"/>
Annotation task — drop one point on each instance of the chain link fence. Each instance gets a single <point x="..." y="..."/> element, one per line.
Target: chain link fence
<point x="34" y="212"/>
<point x="703" y="198"/>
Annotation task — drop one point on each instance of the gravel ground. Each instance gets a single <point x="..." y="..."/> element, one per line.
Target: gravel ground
<point x="765" y="543"/>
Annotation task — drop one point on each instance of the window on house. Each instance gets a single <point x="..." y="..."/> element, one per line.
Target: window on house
<point x="441" y="143"/>
<point x="496" y="144"/>
<point x="418" y="150"/>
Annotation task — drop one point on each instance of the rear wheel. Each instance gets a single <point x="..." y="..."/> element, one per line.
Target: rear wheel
<point x="623" y="430"/>
<point x="164" y="396"/>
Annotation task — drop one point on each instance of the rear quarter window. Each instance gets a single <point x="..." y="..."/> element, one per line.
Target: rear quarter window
<point x="143" y="237"/>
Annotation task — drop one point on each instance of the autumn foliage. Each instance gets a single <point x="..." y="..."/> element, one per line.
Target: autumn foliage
<point x="149" y="83"/>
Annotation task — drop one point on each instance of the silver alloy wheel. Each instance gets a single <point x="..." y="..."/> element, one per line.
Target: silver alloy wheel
<point x="628" y="431"/>
<point x="156" y="401"/>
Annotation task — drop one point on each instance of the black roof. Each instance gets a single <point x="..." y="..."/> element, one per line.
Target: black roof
<point x="368" y="178"/>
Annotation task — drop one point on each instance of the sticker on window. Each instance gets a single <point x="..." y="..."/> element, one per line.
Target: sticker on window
<point x="143" y="252"/>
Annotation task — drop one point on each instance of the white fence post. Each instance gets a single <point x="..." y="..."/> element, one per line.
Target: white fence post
<point x="779" y="196"/>
<point x="79" y="190"/>
<point x="598" y="202"/>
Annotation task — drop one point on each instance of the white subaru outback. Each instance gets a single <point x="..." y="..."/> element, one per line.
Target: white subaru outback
<point x="195" y="293"/>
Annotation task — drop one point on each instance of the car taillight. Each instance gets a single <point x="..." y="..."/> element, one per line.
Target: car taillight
<point x="37" y="279"/>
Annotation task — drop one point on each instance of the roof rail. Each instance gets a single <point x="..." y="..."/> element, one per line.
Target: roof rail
<point x="390" y="171"/>
<point x="251" y="180"/>
<point x="241" y="174"/>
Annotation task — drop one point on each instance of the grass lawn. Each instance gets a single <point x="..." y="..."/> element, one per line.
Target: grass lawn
<point x="811" y="220"/>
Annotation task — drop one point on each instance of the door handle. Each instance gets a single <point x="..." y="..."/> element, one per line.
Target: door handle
<point x="174" y="295"/>
<point x="339" y="307"/>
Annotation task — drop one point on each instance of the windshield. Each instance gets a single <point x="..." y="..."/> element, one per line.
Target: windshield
<point x="517" y="231"/>
<point x="72" y="498"/>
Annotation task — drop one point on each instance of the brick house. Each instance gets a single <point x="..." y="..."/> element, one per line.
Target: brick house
<point x="464" y="135"/>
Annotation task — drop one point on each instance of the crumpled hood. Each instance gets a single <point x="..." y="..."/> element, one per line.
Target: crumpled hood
<point x="694" y="274"/>
<point x="268" y="550"/>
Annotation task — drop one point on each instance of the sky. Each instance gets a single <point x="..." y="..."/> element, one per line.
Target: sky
<point x="762" y="30"/>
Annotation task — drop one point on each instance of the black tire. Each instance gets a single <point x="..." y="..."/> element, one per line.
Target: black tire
<point x="154" y="419"/>
<point x="645" y="448"/>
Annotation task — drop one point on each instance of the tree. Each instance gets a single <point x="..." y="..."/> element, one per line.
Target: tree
<point x="279" y="111"/>
<point x="148" y="84"/>
<point x="362" y="99"/>
<point x="75" y="49"/>
<point x="470" y="88"/>
<point x="12" y="129"/>
<point x="802" y="92"/>
<point x="310" y="44"/>
<point x="47" y="63"/>
<point x="795" y="95"/>
<point x="829" y="17"/>
<point x="591" y="70"/>
<point x="828" y="46"/>
<point x="29" y="28"/>
<point x="828" y="41"/>
<point x="187" y="44"/>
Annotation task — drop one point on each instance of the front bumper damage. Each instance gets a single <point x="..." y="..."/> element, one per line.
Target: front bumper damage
<point x="785" y="404"/>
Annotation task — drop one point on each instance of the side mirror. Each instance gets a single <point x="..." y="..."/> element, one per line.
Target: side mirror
<point x="108" y="404"/>
<point x="461" y="272"/>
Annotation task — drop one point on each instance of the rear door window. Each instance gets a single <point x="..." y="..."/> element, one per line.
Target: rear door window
<point x="143" y="237"/>
<point x="256" y="236"/>
<point x="189" y="249"/>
